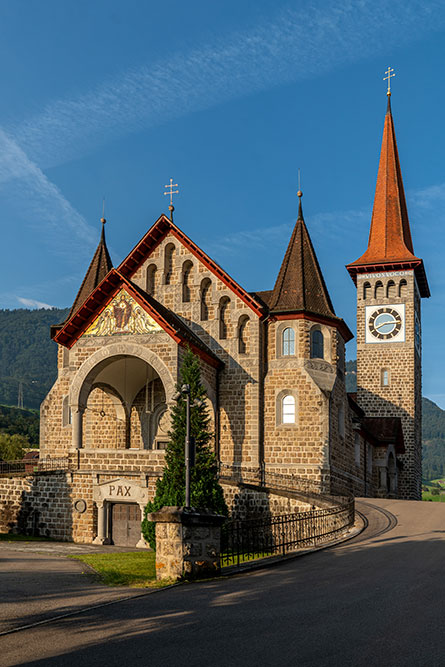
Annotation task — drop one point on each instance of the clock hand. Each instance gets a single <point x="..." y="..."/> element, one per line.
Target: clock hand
<point x="383" y="324"/>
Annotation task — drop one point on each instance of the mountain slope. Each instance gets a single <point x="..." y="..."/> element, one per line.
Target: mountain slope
<point x="27" y="354"/>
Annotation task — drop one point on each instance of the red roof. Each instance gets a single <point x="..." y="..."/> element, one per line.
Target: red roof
<point x="157" y="233"/>
<point x="104" y="293"/>
<point x="390" y="246"/>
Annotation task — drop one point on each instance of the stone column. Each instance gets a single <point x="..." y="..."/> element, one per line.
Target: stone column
<point x="101" y="524"/>
<point x="77" y="416"/>
<point x="187" y="543"/>
<point x="142" y="544"/>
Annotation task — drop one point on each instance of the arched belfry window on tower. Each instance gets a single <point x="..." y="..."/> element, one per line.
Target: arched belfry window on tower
<point x="403" y="288"/>
<point x="367" y="291"/>
<point x="391" y="289"/>
<point x="288" y="342"/>
<point x="378" y="290"/>
<point x="317" y="344"/>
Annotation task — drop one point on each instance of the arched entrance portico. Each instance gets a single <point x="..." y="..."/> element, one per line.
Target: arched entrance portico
<point x="119" y="399"/>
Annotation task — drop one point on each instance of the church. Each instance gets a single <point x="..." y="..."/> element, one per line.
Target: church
<point x="272" y="363"/>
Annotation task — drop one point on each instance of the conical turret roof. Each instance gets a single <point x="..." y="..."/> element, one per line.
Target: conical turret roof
<point x="300" y="285"/>
<point x="99" y="267"/>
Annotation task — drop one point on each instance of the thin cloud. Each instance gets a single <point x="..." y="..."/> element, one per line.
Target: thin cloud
<point x="39" y="203"/>
<point x="33" y="303"/>
<point x="296" y="45"/>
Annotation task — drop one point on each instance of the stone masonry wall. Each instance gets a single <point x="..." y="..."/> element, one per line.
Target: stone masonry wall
<point x="402" y="396"/>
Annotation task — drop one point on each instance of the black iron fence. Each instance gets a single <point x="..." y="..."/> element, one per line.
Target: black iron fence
<point x="29" y="466"/>
<point x="262" y="477"/>
<point x="250" y="539"/>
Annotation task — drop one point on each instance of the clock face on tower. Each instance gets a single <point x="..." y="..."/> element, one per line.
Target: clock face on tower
<point x="385" y="324"/>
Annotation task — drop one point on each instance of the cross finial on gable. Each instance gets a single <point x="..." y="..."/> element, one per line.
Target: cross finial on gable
<point x="171" y="192"/>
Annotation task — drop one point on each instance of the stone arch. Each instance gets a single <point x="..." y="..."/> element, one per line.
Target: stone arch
<point x="242" y="334"/>
<point x="391" y="291"/>
<point x="169" y="255"/>
<point x="187" y="268"/>
<point x="378" y="290"/>
<point x="150" y="282"/>
<point x="366" y="290"/>
<point x="403" y="288"/>
<point x="85" y="378"/>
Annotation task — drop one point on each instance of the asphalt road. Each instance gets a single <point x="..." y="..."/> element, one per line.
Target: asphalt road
<point x="376" y="600"/>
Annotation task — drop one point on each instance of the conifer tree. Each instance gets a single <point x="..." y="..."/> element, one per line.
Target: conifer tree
<point x="206" y="492"/>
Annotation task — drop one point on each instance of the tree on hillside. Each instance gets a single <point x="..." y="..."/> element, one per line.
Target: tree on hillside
<point x="12" y="447"/>
<point x="206" y="492"/>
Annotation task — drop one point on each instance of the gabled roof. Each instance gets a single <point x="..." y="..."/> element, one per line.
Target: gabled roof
<point x="390" y="245"/>
<point x="104" y="293"/>
<point x="100" y="265"/>
<point x="157" y="233"/>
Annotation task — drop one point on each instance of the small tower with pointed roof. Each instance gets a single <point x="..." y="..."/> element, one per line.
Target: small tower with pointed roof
<point x="304" y="384"/>
<point x="391" y="281"/>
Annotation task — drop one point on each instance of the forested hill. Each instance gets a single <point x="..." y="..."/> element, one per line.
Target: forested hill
<point x="433" y="430"/>
<point x="27" y="354"/>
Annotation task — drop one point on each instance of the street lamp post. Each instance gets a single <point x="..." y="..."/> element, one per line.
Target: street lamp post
<point x="185" y="390"/>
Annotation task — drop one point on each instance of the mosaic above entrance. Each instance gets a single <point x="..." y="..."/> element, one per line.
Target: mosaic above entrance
<point x="122" y="316"/>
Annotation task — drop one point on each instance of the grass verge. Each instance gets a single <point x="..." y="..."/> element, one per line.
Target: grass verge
<point x="135" y="569"/>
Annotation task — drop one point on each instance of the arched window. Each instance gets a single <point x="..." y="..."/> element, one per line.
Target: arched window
<point x="378" y="290"/>
<point x="288" y="341"/>
<point x="366" y="290"/>
<point x="168" y="263"/>
<point x="317" y="344"/>
<point x="186" y="270"/>
<point x="403" y="288"/>
<point x="288" y="410"/>
<point x="204" y="298"/>
<point x="391" y="289"/>
<point x="151" y="279"/>
<point x="242" y="334"/>
<point x="385" y="377"/>
<point x="223" y="306"/>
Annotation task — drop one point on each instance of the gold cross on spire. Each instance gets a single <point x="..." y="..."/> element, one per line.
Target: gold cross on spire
<point x="389" y="75"/>
<point x="171" y="192"/>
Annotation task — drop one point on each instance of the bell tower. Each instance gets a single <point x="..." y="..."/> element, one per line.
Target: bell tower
<point x="390" y="282"/>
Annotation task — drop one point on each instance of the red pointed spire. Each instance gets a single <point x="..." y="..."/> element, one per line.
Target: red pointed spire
<point x="390" y="245"/>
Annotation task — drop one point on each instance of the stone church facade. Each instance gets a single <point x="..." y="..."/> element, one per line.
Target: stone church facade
<point x="272" y="363"/>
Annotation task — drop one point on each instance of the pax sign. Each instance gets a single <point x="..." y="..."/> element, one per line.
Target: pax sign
<point x="120" y="490"/>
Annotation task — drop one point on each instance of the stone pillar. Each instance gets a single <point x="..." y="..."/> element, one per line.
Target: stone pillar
<point x="142" y="544"/>
<point x="101" y="524"/>
<point x="77" y="416"/>
<point x="187" y="543"/>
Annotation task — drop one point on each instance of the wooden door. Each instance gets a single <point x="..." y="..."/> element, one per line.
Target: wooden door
<point x="125" y="524"/>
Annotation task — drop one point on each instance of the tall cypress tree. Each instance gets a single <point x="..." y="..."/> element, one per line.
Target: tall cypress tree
<point x="206" y="492"/>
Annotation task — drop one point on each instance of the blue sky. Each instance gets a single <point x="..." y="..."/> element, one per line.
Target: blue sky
<point x="111" y="99"/>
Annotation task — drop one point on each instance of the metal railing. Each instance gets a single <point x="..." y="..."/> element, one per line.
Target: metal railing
<point x="252" y="539"/>
<point x="30" y="466"/>
<point x="262" y="477"/>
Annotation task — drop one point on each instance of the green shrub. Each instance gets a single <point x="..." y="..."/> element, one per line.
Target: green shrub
<point x="206" y="492"/>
